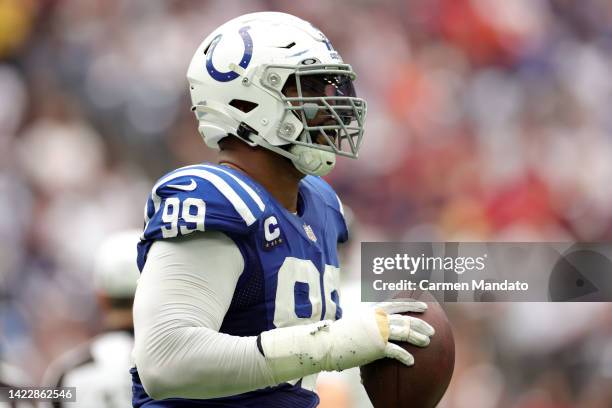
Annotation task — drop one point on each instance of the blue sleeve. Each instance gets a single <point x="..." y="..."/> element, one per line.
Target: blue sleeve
<point x="198" y="198"/>
<point x="333" y="204"/>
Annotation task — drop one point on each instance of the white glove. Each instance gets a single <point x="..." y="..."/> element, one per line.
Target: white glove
<point x="403" y="328"/>
<point x="294" y="352"/>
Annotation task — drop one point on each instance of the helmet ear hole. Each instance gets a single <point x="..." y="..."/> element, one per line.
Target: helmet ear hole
<point x="242" y="105"/>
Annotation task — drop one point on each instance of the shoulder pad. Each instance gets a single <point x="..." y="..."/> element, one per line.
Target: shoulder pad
<point x="199" y="198"/>
<point x="331" y="199"/>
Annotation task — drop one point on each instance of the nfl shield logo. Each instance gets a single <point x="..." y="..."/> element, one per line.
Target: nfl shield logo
<point x="310" y="233"/>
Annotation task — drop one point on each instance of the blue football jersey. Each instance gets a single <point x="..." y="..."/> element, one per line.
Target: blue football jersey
<point x="291" y="271"/>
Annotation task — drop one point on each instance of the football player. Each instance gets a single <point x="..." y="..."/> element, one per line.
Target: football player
<point x="14" y="377"/>
<point x="238" y="303"/>
<point x="98" y="369"/>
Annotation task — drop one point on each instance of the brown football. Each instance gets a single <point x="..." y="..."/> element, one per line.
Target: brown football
<point x="392" y="384"/>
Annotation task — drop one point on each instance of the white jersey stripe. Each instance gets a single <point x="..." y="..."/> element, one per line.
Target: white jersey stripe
<point x="340" y="204"/>
<point x="244" y="185"/>
<point x="146" y="213"/>
<point x="220" y="184"/>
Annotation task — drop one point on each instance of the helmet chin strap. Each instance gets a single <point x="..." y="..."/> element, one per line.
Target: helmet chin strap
<point x="308" y="160"/>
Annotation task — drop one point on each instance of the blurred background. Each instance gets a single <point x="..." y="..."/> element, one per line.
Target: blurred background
<point x="488" y="120"/>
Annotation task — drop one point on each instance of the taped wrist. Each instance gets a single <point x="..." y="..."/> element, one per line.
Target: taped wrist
<point x="294" y="352"/>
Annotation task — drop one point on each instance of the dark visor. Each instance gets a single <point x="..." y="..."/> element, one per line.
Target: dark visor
<point x="316" y="85"/>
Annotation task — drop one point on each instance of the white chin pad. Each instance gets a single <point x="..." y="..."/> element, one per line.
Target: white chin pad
<point x="312" y="161"/>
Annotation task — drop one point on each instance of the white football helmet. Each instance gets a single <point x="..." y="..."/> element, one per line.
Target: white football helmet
<point x="115" y="271"/>
<point x="239" y="78"/>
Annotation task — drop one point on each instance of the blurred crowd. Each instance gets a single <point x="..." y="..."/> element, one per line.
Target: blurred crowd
<point x="487" y="120"/>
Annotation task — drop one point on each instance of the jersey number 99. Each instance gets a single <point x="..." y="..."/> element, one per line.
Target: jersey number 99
<point x="191" y="211"/>
<point x="303" y="295"/>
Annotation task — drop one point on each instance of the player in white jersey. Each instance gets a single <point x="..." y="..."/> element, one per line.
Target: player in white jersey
<point x="99" y="369"/>
<point x="11" y="376"/>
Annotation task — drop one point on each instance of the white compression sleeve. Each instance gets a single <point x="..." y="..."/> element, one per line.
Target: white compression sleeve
<point x="183" y="294"/>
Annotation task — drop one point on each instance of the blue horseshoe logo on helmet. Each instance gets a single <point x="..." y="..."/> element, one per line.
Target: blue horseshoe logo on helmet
<point x="244" y="61"/>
